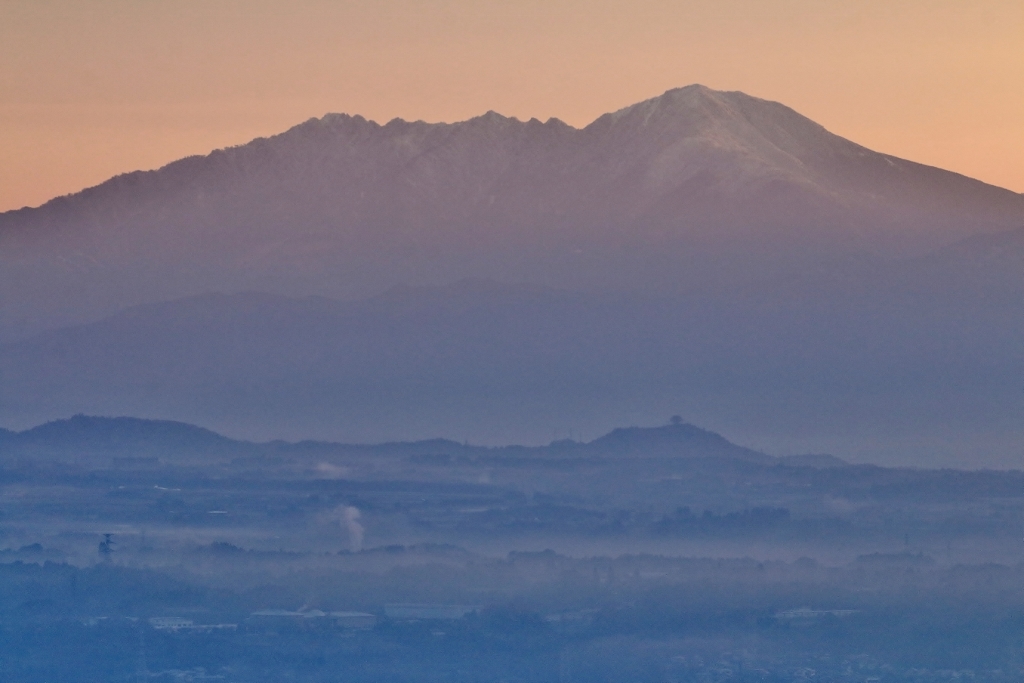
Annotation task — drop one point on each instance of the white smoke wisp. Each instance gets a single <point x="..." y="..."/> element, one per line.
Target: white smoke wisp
<point x="326" y="470"/>
<point x="350" y="520"/>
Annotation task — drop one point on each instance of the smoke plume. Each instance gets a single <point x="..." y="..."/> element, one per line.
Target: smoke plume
<point x="350" y="520"/>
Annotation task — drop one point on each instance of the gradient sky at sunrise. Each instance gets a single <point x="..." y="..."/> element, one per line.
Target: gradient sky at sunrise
<point x="92" y="88"/>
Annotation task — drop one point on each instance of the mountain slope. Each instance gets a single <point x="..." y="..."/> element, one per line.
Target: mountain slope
<point x="670" y="439"/>
<point x="692" y="190"/>
<point x="84" y="437"/>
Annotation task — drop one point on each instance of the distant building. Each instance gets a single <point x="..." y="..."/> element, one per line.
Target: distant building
<point x="343" y="619"/>
<point x="420" y="611"/>
<point x="572" y="616"/>
<point x="277" y="614"/>
<point x="805" y="616"/>
<point x="170" y="623"/>
<point x="179" y="624"/>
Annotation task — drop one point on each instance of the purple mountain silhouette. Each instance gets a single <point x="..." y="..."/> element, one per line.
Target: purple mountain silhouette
<point x="694" y="190"/>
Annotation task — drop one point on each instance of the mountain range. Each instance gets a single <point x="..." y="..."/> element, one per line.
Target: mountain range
<point x="499" y="280"/>
<point x="694" y="190"/>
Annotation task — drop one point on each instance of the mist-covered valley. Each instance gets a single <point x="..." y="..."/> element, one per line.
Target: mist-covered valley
<point x="660" y="553"/>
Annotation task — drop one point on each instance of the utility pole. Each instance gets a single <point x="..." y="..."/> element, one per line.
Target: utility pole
<point x="106" y="546"/>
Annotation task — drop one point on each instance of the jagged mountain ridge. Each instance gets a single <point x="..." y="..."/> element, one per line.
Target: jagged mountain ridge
<point x="694" y="189"/>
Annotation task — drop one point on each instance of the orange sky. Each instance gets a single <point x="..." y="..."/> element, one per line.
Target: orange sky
<point x="91" y="88"/>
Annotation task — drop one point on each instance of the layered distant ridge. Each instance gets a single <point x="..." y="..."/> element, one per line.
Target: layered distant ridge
<point x="496" y="280"/>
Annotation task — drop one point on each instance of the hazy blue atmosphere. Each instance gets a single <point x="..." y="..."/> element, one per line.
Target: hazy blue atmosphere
<point x="145" y="550"/>
<point x="699" y="391"/>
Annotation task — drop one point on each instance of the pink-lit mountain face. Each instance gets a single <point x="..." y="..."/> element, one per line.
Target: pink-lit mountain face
<point x="692" y="191"/>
